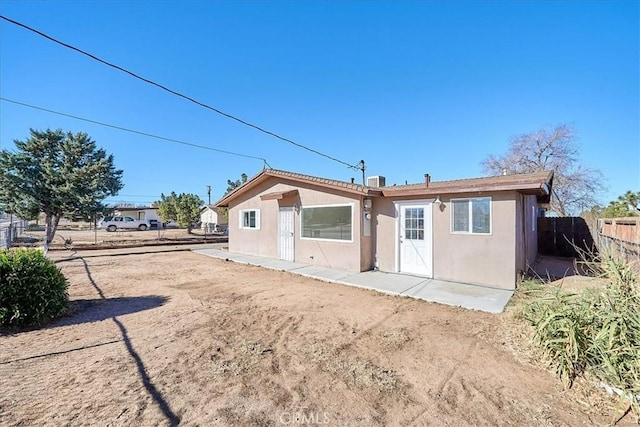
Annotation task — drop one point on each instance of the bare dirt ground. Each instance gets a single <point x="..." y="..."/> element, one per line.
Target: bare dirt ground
<point x="179" y="338"/>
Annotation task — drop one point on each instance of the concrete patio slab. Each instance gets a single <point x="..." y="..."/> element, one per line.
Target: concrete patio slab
<point x="491" y="300"/>
<point x="390" y="283"/>
<point x="278" y="264"/>
<point x="475" y="297"/>
<point x="324" y="273"/>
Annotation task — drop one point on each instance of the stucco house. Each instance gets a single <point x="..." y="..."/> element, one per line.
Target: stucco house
<point x="479" y="231"/>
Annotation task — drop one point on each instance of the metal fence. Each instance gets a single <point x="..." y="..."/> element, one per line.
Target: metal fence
<point x="10" y="231"/>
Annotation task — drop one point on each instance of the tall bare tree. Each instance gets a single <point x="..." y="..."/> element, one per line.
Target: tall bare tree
<point x="576" y="187"/>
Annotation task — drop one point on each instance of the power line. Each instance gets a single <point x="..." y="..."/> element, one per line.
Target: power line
<point x="190" y="144"/>
<point x="135" y="195"/>
<point x="173" y="92"/>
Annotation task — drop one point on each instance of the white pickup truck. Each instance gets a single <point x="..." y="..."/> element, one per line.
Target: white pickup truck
<point x="113" y="223"/>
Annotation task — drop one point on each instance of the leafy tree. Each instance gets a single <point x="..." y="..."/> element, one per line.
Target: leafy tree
<point x="232" y="185"/>
<point x="575" y="186"/>
<point x="184" y="209"/>
<point x="56" y="173"/>
<point x="626" y="205"/>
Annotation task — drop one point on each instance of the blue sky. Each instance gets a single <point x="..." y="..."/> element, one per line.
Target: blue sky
<point x="410" y="87"/>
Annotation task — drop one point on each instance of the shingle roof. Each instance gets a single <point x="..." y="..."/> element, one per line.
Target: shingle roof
<point x="323" y="181"/>
<point x="300" y="178"/>
<point x="538" y="183"/>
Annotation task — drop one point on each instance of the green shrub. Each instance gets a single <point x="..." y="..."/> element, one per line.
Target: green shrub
<point x="595" y="331"/>
<point x="32" y="288"/>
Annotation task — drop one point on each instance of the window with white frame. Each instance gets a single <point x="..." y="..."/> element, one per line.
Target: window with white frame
<point x="250" y="218"/>
<point x="327" y="222"/>
<point x="472" y="216"/>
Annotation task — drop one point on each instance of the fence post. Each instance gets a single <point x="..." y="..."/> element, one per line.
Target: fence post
<point x="10" y="235"/>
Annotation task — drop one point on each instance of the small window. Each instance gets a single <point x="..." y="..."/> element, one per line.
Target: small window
<point x="327" y="222"/>
<point x="472" y="216"/>
<point x="250" y="218"/>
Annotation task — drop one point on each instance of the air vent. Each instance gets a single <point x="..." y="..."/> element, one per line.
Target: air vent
<point x="376" y="181"/>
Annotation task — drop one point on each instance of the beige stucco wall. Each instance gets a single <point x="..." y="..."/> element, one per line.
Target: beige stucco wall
<point x="526" y="232"/>
<point x="385" y="234"/>
<point x="264" y="242"/>
<point x="488" y="260"/>
<point x="531" y="230"/>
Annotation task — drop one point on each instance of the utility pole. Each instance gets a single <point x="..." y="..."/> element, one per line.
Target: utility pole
<point x="209" y="194"/>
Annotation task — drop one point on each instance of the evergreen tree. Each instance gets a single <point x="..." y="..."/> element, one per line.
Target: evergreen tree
<point x="56" y="173"/>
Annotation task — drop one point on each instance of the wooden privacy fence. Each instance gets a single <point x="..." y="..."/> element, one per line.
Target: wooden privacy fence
<point x="560" y="236"/>
<point x="620" y="237"/>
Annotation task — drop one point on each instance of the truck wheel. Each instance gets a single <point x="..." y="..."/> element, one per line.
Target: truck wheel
<point x="142" y="227"/>
<point x="111" y="228"/>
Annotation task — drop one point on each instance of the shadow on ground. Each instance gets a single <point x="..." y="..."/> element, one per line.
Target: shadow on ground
<point x="553" y="268"/>
<point x="95" y="310"/>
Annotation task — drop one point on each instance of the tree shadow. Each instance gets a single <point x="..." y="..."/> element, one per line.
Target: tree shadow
<point x="98" y="309"/>
<point x="25" y="240"/>
<point x="119" y="306"/>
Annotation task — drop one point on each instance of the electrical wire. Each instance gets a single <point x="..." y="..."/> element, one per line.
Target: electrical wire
<point x="173" y="92"/>
<point x="136" y="195"/>
<point x="190" y="144"/>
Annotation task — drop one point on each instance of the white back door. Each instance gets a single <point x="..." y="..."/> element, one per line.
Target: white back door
<point x="415" y="246"/>
<point x="286" y="236"/>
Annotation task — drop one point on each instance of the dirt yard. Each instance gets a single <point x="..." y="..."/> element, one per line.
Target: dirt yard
<point x="179" y="338"/>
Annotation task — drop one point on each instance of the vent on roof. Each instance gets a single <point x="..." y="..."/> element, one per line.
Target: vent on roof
<point x="376" y="181"/>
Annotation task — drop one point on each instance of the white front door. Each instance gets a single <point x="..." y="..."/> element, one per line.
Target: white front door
<point x="285" y="234"/>
<point x="415" y="250"/>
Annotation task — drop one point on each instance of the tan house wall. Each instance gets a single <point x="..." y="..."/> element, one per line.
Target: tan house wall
<point x="479" y="259"/>
<point x="526" y="232"/>
<point x="531" y="230"/>
<point x="264" y="242"/>
<point x="520" y="230"/>
<point x="384" y="225"/>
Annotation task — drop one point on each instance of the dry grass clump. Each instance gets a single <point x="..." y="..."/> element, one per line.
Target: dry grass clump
<point x="353" y="370"/>
<point x="394" y="339"/>
<point x="595" y="331"/>
<point x="246" y="356"/>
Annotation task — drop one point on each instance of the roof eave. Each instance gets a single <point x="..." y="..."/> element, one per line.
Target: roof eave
<point x="534" y="188"/>
<point x="265" y="174"/>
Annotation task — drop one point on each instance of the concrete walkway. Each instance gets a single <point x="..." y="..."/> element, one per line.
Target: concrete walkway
<point x="491" y="300"/>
